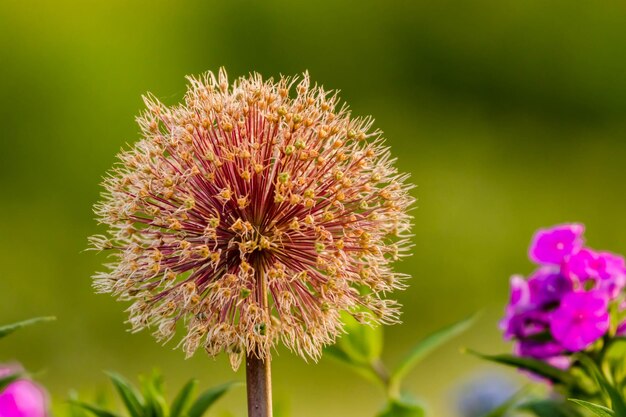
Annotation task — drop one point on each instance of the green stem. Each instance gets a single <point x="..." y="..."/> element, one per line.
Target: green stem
<point x="391" y="385"/>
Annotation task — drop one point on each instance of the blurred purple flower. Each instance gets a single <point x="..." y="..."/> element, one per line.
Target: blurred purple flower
<point x="588" y="264"/>
<point x="22" y="398"/>
<point x="520" y="293"/>
<point x="525" y="324"/>
<point x="540" y="349"/>
<point x="518" y="302"/>
<point x="551" y="246"/>
<point x="563" y="307"/>
<point x="547" y="286"/>
<point x="581" y="319"/>
<point x="606" y="270"/>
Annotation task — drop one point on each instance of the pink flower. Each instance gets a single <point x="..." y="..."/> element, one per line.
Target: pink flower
<point x="22" y="398"/>
<point x="551" y="246"/>
<point x="547" y="286"/>
<point x="563" y="307"/>
<point x="581" y="319"/>
<point x="606" y="270"/>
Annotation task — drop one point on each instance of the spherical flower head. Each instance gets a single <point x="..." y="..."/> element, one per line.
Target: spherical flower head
<point x="551" y="246"/>
<point x="22" y="398"/>
<point x="581" y="319"/>
<point x="254" y="213"/>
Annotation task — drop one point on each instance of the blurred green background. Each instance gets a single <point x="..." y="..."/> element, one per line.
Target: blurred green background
<point x="509" y="115"/>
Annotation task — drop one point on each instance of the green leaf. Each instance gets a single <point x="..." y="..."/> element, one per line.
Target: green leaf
<point x="131" y="398"/>
<point x="10" y="328"/>
<point x="181" y="400"/>
<point x="365" y="370"/>
<point x="99" y="412"/>
<point x="73" y="409"/>
<point x="429" y="344"/>
<point x="402" y="408"/>
<point x="338" y="353"/>
<point x="548" y="408"/>
<point x="153" y="394"/>
<point x="361" y="343"/>
<point x="207" y="398"/>
<point x="617" y="400"/>
<point x="555" y="375"/>
<point x="7" y="380"/>
<point x="598" y="410"/>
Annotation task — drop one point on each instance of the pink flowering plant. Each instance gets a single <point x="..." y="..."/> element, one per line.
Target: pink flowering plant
<point x="567" y="319"/>
<point x="20" y="396"/>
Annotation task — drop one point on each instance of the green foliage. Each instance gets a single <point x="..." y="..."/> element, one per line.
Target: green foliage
<point x="75" y="410"/>
<point x="366" y="370"/>
<point x="402" y="408"/>
<point x="150" y="401"/>
<point x="596" y="409"/>
<point x="182" y="398"/>
<point x="129" y="395"/>
<point x="614" y="395"/>
<point x="6" y="380"/>
<point x="97" y="411"/>
<point x="595" y="382"/>
<point x="206" y="400"/>
<point x="10" y="328"/>
<point x="6" y="330"/>
<point x="364" y="344"/>
<point x="361" y="348"/>
<point x="548" y="408"/>
<point x="540" y="368"/>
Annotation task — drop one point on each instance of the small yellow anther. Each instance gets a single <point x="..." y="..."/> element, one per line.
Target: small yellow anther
<point x="245" y="175"/>
<point x="227" y="127"/>
<point x="243" y="202"/>
<point x="264" y="243"/>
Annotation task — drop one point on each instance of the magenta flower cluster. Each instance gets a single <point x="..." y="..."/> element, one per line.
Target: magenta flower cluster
<point x="563" y="307"/>
<point x="22" y="398"/>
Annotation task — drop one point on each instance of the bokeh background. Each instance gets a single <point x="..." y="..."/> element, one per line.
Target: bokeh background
<point x="509" y="116"/>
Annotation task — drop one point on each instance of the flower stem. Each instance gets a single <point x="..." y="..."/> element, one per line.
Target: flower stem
<point x="259" y="386"/>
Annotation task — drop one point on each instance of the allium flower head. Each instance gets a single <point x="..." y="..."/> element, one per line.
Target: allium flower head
<point x="254" y="213"/>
